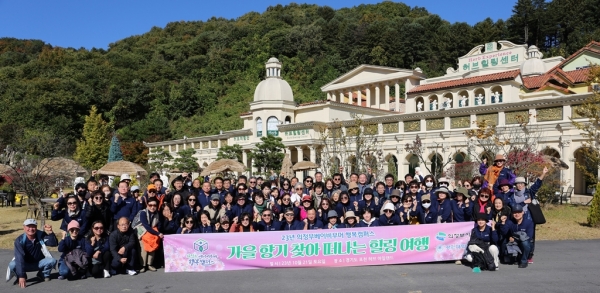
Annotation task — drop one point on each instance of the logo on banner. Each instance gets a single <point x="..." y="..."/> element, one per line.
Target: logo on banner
<point x="441" y="236"/>
<point x="201" y="245"/>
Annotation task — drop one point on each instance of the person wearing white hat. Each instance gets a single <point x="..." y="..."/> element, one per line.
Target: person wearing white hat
<point x="31" y="253"/>
<point x="389" y="217"/>
<point x="125" y="177"/>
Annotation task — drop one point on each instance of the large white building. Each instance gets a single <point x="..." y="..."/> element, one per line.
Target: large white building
<point x="498" y="81"/>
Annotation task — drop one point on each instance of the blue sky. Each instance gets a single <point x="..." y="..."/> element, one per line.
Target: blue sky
<point x="97" y="23"/>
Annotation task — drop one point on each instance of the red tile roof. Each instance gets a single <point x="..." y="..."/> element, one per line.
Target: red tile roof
<point x="580" y="75"/>
<point x="508" y="75"/>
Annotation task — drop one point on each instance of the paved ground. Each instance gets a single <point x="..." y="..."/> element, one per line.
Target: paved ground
<point x="560" y="266"/>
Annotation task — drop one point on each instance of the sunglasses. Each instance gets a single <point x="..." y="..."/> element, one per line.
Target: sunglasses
<point x="286" y="199"/>
<point x="308" y="181"/>
<point x="152" y="190"/>
<point x="99" y="228"/>
<point x="344" y="197"/>
<point x="191" y="199"/>
<point x="406" y="201"/>
<point x="252" y="182"/>
<point x="266" y="215"/>
<point x="241" y="199"/>
<point x="324" y="204"/>
<point x="426" y="201"/>
<point x="289" y="214"/>
<point x="246" y="219"/>
<point x="484" y="196"/>
<point x="72" y="203"/>
<point x="73" y="230"/>
<point x="98" y="197"/>
<point x="241" y="189"/>
<point x="414" y="187"/>
<point x="189" y="222"/>
<point x="337" y="179"/>
<point x="388" y="211"/>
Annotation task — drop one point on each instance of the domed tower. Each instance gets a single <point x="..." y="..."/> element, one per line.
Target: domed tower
<point x="273" y="101"/>
<point x="534" y="65"/>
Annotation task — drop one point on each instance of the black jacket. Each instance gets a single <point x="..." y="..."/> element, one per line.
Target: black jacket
<point x="117" y="239"/>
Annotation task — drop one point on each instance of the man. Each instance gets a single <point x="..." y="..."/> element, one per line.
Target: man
<point x="268" y="222"/>
<point x="123" y="205"/>
<point x="177" y="185"/>
<point x="354" y="177"/>
<point x="389" y="184"/>
<point x="519" y="230"/>
<point x="338" y="184"/>
<point x="161" y="190"/>
<point x="252" y="186"/>
<point x="311" y="222"/>
<point x="122" y="248"/>
<point x="204" y="194"/>
<point x="219" y="188"/>
<point x="363" y="183"/>
<point x="126" y="178"/>
<point x="227" y="185"/>
<point x="318" y="177"/>
<point x="92" y="185"/>
<point x="31" y="253"/>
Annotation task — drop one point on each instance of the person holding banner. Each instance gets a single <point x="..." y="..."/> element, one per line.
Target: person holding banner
<point x="389" y="217"/>
<point x="368" y="202"/>
<point x="368" y="220"/>
<point x="349" y="220"/>
<point x="205" y="225"/>
<point x="189" y="226"/>
<point x="267" y="222"/>
<point x="290" y="222"/>
<point x="408" y="211"/>
<point x="242" y="223"/>
<point x="311" y="222"/>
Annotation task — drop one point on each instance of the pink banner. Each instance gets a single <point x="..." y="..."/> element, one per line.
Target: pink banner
<point x="316" y="248"/>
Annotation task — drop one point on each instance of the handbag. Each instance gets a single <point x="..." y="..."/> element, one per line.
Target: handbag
<point x="536" y="212"/>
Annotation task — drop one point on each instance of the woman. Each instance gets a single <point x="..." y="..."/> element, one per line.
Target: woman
<point x="188" y="226"/>
<point x="349" y="220"/>
<point x="335" y="197"/>
<point x="72" y="245"/>
<point x="324" y="209"/>
<point x="496" y="173"/>
<point x="476" y="183"/>
<point x="106" y="191"/>
<point x="150" y="220"/>
<point x="426" y="213"/>
<point x="389" y="217"/>
<point x="400" y="185"/>
<point x="290" y="222"/>
<point x="307" y="204"/>
<point x="344" y="205"/>
<point x="196" y="186"/>
<point x="215" y="209"/>
<point x="192" y="207"/>
<point x="318" y="194"/>
<point x="99" y="210"/>
<point x="260" y="204"/>
<point x="72" y="212"/>
<point x="205" y="225"/>
<point x="228" y="201"/>
<point x="429" y="184"/>
<point x="328" y="191"/>
<point x="223" y="225"/>
<point x="483" y="204"/>
<point x="380" y="192"/>
<point x="407" y="212"/>
<point x="176" y="205"/>
<point x="485" y="235"/>
<point x="286" y="202"/>
<point x="286" y="187"/>
<point x="368" y="202"/>
<point x="444" y="208"/>
<point x="368" y="220"/>
<point x="354" y="192"/>
<point x="332" y="220"/>
<point x="500" y="209"/>
<point x="299" y="192"/>
<point x="242" y="224"/>
<point x="97" y="249"/>
<point x="169" y="221"/>
<point x="461" y="211"/>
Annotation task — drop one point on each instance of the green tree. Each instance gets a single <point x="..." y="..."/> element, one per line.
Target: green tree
<point x="159" y="159"/>
<point x="92" y="149"/>
<point x="267" y="154"/>
<point x="115" y="153"/>
<point x="186" y="162"/>
<point x="230" y="152"/>
<point x="594" y="214"/>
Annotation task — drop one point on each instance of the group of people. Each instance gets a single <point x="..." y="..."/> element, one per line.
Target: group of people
<point x="106" y="231"/>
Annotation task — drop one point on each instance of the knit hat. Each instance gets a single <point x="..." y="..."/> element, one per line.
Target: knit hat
<point x="520" y="180"/>
<point x="73" y="224"/>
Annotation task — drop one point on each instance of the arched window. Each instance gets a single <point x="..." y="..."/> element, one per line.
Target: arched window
<point x="413" y="162"/>
<point x="272" y="123"/>
<point x="288" y="120"/>
<point x="259" y="127"/>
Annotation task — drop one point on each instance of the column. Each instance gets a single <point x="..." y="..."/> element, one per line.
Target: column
<point x="368" y="92"/>
<point x="328" y="95"/>
<point x="358" y="97"/>
<point x="397" y="89"/>
<point x="387" y="96"/>
<point x="313" y="154"/>
<point x="501" y="118"/>
<point x="377" y="96"/>
<point x="245" y="158"/>
<point x="300" y="154"/>
<point x="350" y="97"/>
<point x="341" y="96"/>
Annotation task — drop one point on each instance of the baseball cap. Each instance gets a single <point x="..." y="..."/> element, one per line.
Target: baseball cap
<point x="30" y="222"/>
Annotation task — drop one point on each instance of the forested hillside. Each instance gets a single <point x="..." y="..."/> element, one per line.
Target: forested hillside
<point x="194" y="78"/>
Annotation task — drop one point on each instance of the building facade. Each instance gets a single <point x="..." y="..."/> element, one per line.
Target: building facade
<point x="497" y="81"/>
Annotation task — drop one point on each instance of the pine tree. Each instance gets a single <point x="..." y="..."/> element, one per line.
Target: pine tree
<point x="92" y="148"/>
<point x="115" y="154"/>
<point x="267" y="154"/>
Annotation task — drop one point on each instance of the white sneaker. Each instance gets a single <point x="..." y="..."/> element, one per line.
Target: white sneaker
<point x="131" y="272"/>
<point x="9" y="274"/>
<point x="106" y="274"/>
<point x="469" y="258"/>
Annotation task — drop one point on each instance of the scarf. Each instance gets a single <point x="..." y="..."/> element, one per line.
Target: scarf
<point x="492" y="175"/>
<point x="261" y="207"/>
<point x="73" y="214"/>
<point x="482" y="206"/>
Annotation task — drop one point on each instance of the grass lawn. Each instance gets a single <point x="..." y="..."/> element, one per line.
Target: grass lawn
<point x="564" y="222"/>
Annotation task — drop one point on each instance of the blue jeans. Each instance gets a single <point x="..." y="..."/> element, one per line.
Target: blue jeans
<point x="63" y="270"/>
<point x="526" y="247"/>
<point x="44" y="266"/>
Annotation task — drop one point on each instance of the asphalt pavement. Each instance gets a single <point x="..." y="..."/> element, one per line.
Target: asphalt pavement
<point x="559" y="266"/>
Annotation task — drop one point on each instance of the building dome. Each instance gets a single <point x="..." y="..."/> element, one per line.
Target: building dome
<point x="273" y="88"/>
<point x="534" y="64"/>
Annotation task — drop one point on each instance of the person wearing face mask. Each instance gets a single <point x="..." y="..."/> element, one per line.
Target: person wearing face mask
<point x="72" y="212"/>
<point x="426" y="213"/>
<point x="429" y="187"/>
<point x="475" y="187"/>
